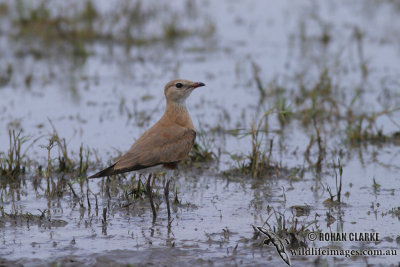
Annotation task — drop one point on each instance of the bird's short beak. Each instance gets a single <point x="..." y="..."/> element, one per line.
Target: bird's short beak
<point x="198" y="84"/>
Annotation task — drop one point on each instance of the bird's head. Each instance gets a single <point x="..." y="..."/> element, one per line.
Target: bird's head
<point x="178" y="90"/>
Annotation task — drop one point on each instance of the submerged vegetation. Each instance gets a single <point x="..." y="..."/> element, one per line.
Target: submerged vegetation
<point x="13" y="163"/>
<point x="71" y="31"/>
<point x="202" y="151"/>
<point x="326" y="113"/>
<point x="257" y="163"/>
<point x="292" y="229"/>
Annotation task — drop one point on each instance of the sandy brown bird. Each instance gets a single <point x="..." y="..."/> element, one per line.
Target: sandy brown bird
<point x="168" y="141"/>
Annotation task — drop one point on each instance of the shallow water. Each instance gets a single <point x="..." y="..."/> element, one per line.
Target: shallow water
<point x="107" y="100"/>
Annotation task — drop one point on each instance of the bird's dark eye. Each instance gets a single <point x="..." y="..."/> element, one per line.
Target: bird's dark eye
<point x="178" y="85"/>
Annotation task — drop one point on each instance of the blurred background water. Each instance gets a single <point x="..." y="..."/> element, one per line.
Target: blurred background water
<point x="95" y="71"/>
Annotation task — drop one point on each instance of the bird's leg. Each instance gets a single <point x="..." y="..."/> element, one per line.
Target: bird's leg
<point x="167" y="180"/>
<point x="166" y="194"/>
<point x="149" y="192"/>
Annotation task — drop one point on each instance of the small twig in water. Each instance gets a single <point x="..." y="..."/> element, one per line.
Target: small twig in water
<point x="73" y="191"/>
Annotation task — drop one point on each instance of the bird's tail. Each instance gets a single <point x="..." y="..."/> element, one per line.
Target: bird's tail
<point x="106" y="172"/>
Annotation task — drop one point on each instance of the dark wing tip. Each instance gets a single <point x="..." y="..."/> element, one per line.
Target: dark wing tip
<point x="106" y="172"/>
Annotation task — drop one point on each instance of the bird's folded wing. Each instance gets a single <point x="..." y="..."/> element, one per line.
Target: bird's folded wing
<point x="167" y="144"/>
